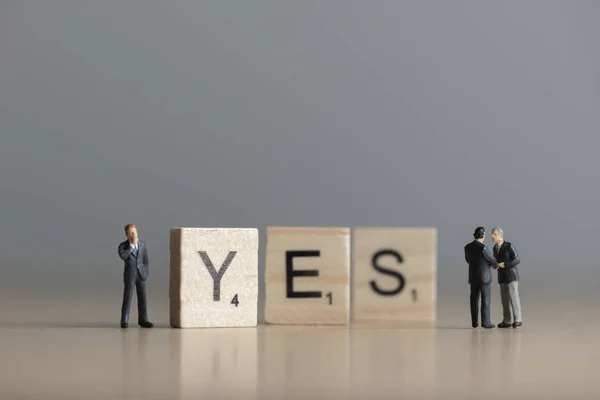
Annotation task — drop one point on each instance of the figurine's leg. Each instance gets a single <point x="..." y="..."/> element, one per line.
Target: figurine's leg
<point x="140" y="287"/>
<point x="127" y="295"/>
<point x="515" y="301"/>
<point x="485" y="305"/>
<point x="474" y="305"/>
<point x="506" y="309"/>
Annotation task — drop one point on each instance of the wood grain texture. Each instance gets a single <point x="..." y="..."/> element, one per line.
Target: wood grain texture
<point x="394" y="275"/>
<point x="329" y="258"/>
<point x="214" y="277"/>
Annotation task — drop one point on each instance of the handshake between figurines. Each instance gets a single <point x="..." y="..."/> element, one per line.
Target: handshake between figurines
<point x="500" y="265"/>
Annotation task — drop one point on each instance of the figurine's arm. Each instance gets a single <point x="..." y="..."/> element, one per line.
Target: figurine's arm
<point x="487" y="254"/>
<point x="514" y="258"/>
<point x="145" y="255"/>
<point x="124" y="251"/>
<point x="467" y="256"/>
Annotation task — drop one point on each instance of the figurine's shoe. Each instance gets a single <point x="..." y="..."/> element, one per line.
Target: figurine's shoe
<point x="490" y="326"/>
<point x="124" y="325"/>
<point x="504" y="325"/>
<point x="146" y="324"/>
<point x="475" y="325"/>
<point x="517" y="324"/>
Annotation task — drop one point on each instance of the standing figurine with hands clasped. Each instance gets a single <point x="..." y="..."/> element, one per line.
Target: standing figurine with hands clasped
<point x="481" y="261"/>
<point x="135" y="254"/>
<point x="508" y="278"/>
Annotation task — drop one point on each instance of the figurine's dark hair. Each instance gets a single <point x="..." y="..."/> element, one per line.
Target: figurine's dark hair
<point x="479" y="232"/>
<point x="128" y="226"/>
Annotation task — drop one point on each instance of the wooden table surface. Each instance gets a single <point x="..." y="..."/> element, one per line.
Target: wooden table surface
<point x="75" y="350"/>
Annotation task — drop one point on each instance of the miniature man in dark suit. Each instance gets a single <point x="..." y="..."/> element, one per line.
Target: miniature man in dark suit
<point x="133" y="251"/>
<point x="480" y="260"/>
<point x="508" y="278"/>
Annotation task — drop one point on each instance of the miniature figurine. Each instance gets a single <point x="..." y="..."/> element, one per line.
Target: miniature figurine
<point x="480" y="260"/>
<point x="135" y="254"/>
<point x="508" y="278"/>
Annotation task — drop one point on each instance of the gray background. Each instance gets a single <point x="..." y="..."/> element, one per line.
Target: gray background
<point x="256" y="113"/>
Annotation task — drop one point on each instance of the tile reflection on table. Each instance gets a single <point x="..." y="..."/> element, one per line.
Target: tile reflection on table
<point x="215" y="362"/>
<point x="399" y="361"/>
<point x="304" y="361"/>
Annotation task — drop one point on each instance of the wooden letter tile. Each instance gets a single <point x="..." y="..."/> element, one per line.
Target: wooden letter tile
<point x="307" y="275"/>
<point x="214" y="277"/>
<point x="394" y="276"/>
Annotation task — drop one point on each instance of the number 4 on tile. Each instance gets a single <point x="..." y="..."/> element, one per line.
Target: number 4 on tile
<point x="235" y="300"/>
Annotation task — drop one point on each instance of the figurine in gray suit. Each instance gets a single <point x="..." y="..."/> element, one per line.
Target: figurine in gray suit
<point x="480" y="260"/>
<point x="135" y="254"/>
<point x="508" y="278"/>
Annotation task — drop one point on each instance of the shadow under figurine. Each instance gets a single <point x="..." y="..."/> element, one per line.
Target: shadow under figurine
<point x="135" y="254"/>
